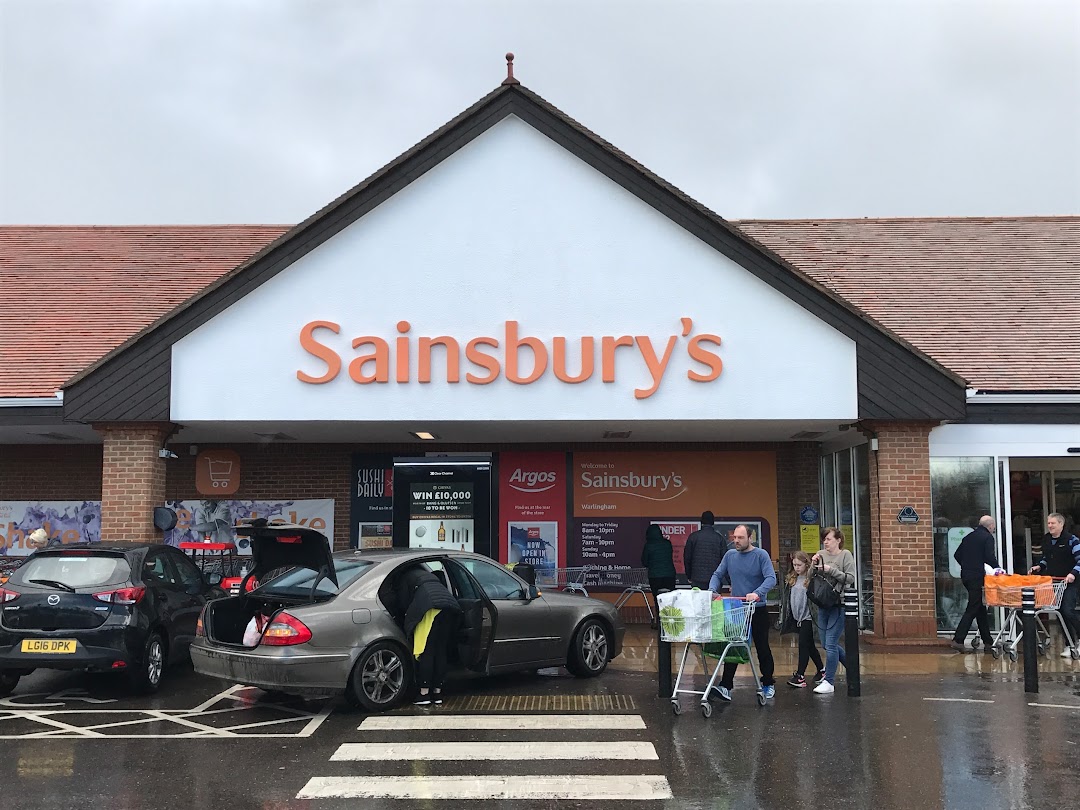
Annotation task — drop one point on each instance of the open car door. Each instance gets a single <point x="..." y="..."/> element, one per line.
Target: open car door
<point x="478" y="618"/>
<point x="286" y="545"/>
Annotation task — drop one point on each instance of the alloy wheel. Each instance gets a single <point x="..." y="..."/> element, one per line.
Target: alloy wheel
<point x="594" y="647"/>
<point x="154" y="662"/>
<point x="382" y="676"/>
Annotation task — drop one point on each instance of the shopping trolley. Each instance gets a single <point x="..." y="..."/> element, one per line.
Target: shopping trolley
<point x="1048" y="594"/>
<point x="722" y="630"/>
<point x="571" y="580"/>
<point x="222" y="559"/>
<point x="631" y="580"/>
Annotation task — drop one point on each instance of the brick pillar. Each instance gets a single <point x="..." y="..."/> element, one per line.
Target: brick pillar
<point x="132" y="480"/>
<point x="904" y="610"/>
<point x="798" y="484"/>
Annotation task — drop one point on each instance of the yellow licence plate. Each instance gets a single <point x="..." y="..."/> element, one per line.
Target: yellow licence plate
<point x="51" y="646"/>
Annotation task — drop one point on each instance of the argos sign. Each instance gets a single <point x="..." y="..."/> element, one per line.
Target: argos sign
<point x="517" y="357"/>
<point x="531" y="481"/>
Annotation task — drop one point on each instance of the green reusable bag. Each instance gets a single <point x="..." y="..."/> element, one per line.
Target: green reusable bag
<point x="724" y="626"/>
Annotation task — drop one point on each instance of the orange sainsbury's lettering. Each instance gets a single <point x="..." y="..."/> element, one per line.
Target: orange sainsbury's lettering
<point x="520" y="358"/>
<point x="316" y="349"/>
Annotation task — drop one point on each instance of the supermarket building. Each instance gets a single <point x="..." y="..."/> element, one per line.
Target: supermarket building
<point x="611" y="352"/>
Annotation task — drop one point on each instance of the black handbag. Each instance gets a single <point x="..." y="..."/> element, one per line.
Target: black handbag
<point x="822" y="591"/>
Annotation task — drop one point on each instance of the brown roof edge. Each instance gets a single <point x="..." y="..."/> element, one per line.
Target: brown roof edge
<point x="292" y="232"/>
<point x="739" y="233"/>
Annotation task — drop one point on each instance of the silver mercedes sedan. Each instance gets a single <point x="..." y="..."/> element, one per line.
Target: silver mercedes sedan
<point x="330" y="625"/>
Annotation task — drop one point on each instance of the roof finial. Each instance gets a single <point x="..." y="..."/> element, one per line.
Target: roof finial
<point x="510" y="70"/>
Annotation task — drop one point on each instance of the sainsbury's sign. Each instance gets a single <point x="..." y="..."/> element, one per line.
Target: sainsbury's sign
<point x="519" y="358"/>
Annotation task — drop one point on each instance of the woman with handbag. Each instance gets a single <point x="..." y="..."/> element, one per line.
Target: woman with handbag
<point x="834" y="567"/>
<point x="797" y="617"/>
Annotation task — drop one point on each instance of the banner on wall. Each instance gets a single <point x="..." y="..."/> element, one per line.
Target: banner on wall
<point x="441" y="516"/>
<point x="65" y="521"/>
<point x="617" y="495"/>
<point x="371" y="511"/>
<point x="195" y="520"/>
<point x="532" y="509"/>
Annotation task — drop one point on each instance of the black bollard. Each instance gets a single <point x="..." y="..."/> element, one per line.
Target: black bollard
<point x="1031" y="640"/>
<point x="663" y="655"/>
<point x="851" y="641"/>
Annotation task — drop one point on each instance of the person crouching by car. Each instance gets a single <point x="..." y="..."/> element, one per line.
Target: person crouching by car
<point x="656" y="556"/>
<point x="431" y="620"/>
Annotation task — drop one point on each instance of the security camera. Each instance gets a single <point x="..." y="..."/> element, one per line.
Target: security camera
<point x="163" y="453"/>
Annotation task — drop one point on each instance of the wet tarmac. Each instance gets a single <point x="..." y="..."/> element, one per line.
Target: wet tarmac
<point x="916" y="741"/>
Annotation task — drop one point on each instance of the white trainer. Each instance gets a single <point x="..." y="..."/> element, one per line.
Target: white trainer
<point x="824" y="688"/>
<point x="1066" y="653"/>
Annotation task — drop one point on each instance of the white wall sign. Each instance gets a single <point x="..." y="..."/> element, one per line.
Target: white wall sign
<point x="514" y="282"/>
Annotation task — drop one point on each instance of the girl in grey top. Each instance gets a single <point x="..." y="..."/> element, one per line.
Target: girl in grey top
<point x="797" y="617"/>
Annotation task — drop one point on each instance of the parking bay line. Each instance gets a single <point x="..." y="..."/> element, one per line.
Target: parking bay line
<point x="957" y="700"/>
<point x="582" y="787"/>
<point x="1073" y="706"/>
<point x="516" y="751"/>
<point x="499" y="722"/>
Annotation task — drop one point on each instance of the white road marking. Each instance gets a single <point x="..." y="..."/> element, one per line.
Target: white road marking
<point x="1056" y="706"/>
<point x="582" y="787"/>
<point x="515" y="751"/>
<point x="187" y="718"/>
<point x="511" y="722"/>
<point x="958" y="700"/>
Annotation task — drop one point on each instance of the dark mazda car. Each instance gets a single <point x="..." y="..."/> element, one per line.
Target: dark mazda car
<point x="128" y="608"/>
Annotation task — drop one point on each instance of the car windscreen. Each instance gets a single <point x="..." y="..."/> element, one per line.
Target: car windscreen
<point x="73" y="570"/>
<point x="297" y="582"/>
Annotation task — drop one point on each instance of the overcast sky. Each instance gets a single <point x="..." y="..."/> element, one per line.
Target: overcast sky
<point x="205" y="111"/>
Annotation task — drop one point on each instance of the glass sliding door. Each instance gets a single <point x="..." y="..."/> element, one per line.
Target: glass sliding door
<point x="864" y="550"/>
<point x="845" y="503"/>
<point x="962" y="490"/>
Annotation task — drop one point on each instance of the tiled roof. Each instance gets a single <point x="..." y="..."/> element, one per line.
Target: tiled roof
<point x="69" y="295"/>
<point x="995" y="300"/>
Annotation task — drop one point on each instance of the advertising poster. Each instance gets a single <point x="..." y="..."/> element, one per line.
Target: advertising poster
<point x="371" y="508"/>
<point x="441" y="516"/>
<point x="65" y="522"/>
<point x="532" y="509"/>
<point x="195" y="520"/>
<point x="617" y="495"/>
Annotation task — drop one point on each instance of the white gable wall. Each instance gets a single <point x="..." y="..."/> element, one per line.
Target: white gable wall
<point x="513" y="227"/>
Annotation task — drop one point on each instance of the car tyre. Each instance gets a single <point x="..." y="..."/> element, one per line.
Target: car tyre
<point x="146" y="677"/>
<point x="381" y="679"/>
<point x="8" y="682"/>
<point x="590" y="651"/>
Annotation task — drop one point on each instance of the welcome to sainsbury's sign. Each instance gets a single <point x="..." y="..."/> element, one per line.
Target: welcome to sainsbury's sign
<point x="517" y="357"/>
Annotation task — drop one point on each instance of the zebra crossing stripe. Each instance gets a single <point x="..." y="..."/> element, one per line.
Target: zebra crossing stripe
<point x="583" y="787"/>
<point x="509" y="722"/>
<point x="515" y="751"/>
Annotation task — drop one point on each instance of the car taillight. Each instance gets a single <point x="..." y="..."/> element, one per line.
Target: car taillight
<point x="199" y="625"/>
<point x="121" y="596"/>
<point x="8" y="596"/>
<point x="285" y="630"/>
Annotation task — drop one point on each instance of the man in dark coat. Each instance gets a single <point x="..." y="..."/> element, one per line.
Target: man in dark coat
<point x="1061" y="559"/>
<point x="703" y="552"/>
<point x="976" y="550"/>
<point x="430" y="619"/>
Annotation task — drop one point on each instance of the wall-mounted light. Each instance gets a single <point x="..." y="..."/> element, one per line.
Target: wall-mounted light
<point x="423" y="434"/>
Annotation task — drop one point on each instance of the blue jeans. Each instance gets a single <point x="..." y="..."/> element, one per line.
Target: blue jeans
<point x="831" y="624"/>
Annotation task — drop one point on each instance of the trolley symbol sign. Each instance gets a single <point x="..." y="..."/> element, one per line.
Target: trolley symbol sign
<point x="217" y="472"/>
<point x="907" y="515"/>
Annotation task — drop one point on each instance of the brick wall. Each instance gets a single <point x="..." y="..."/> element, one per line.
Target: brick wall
<point x="133" y="480"/>
<point x="278" y="471"/>
<point x="31" y="472"/>
<point x="798" y="466"/>
<point x="903" y="553"/>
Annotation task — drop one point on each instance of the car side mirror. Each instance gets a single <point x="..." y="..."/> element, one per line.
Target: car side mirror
<point x="213" y="579"/>
<point x="532" y="592"/>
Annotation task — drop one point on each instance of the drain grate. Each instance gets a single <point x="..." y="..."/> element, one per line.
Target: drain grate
<point x="540" y="703"/>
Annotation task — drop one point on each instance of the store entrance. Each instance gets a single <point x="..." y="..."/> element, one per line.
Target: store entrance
<point x="1038" y="488"/>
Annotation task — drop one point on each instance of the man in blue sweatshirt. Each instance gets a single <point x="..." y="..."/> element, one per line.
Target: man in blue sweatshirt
<point x="751" y="572"/>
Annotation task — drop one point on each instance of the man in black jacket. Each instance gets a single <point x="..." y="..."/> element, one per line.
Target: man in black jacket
<point x="1061" y="559"/>
<point x="703" y="551"/>
<point x="975" y="551"/>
